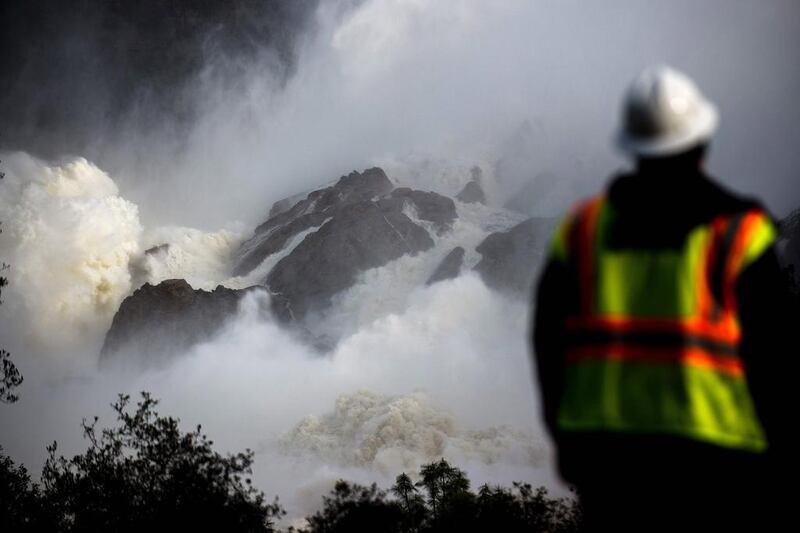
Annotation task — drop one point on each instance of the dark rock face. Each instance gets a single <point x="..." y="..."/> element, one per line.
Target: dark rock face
<point x="262" y="245"/>
<point x="361" y="236"/>
<point x="362" y="225"/>
<point x="318" y="206"/>
<point x="158" y="321"/>
<point x="429" y="206"/>
<point x="450" y="267"/>
<point x="281" y="206"/>
<point x="511" y="258"/>
<point x="472" y="193"/>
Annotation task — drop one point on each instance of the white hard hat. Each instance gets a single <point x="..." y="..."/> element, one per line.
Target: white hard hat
<point x="665" y="114"/>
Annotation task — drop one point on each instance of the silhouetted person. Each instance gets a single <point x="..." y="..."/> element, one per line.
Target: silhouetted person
<point x="661" y="334"/>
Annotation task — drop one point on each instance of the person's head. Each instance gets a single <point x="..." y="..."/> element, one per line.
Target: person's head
<point x="666" y="121"/>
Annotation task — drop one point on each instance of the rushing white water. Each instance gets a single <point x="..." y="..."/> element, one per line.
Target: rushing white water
<point x="69" y="237"/>
<point x="201" y="258"/>
<point x="77" y="248"/>
<point x="394" y="434"/>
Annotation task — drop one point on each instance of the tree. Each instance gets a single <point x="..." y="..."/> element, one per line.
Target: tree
<point x="413" y="504"/>
<point x="445" y="485"/>
<point x="19" y="499"/>
<point x="353" y="508"/>
<point x="542" y="513"/>
<point x="404" y="488"/>
<point x="431" y="480"/>
<point x="500" y="509"/>
<point x="146" y="474"/>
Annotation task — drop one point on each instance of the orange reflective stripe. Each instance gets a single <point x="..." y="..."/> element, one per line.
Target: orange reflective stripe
<point x="744" y="235"/>
<point x="690" y="356"/>
<point x="582" y="237"/>
<point x="723" y="331"/>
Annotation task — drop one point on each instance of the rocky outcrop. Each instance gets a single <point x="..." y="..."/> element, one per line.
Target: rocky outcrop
<point x="158" y="321"/>
<point x="510" y="258"/>
<point x="272" y="235"/>
<point x="266" y="243"/>
<point x="361" y="236"/>
<point x="450" y="267"/>
<point x="283" y="205"/>
<point x="362" y="222"/>
<point x="428" y="206"/>
<point x="473" y="192"/>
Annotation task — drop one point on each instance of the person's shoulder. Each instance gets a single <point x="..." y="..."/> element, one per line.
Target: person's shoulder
<point x="560" y="242"/>
<point x="757" y="229"/>
<point x="747" y="209"/>
<point x="724" y="201"/>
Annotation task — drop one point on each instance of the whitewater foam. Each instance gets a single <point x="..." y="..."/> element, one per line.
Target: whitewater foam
<point x="69" y="237"/>
<point x="395" y="434"/>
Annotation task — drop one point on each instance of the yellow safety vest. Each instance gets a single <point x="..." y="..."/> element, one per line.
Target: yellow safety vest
<point x="655" y="345"/>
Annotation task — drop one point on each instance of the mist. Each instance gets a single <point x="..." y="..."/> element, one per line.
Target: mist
<point x="529" y="91"/>
<point x="460" y="81"/>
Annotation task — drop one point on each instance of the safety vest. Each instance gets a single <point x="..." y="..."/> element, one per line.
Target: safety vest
<point x="654" y="346"/>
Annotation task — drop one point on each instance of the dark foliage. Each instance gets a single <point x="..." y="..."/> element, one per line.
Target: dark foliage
<point x="145" y="474"/>
<point x="20" y="500"/>
<point x="412" y="503"/>
<point x="10" y="378"/>
<point x="355" y="508"/>
<point x="449" y="506"/>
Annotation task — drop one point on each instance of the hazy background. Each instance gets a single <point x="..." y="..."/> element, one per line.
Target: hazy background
<point x="194" y="117"/>
<point x="252" y="102"/>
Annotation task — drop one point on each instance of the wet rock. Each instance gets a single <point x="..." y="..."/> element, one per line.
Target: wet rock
<point x="272" y="235"/>
<point x="450" y="267"/>
<point x="511" y="258"/>
<point x="360" y="236"/>
<point x="157" y="322"/>
<point x="428" y="206"/>
<point x="473" y="192"/>
<point x="266" y="243"/>
<point x="363" y="223"/>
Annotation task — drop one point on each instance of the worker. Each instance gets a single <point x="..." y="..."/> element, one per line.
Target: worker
<point x="659" y="333"/>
